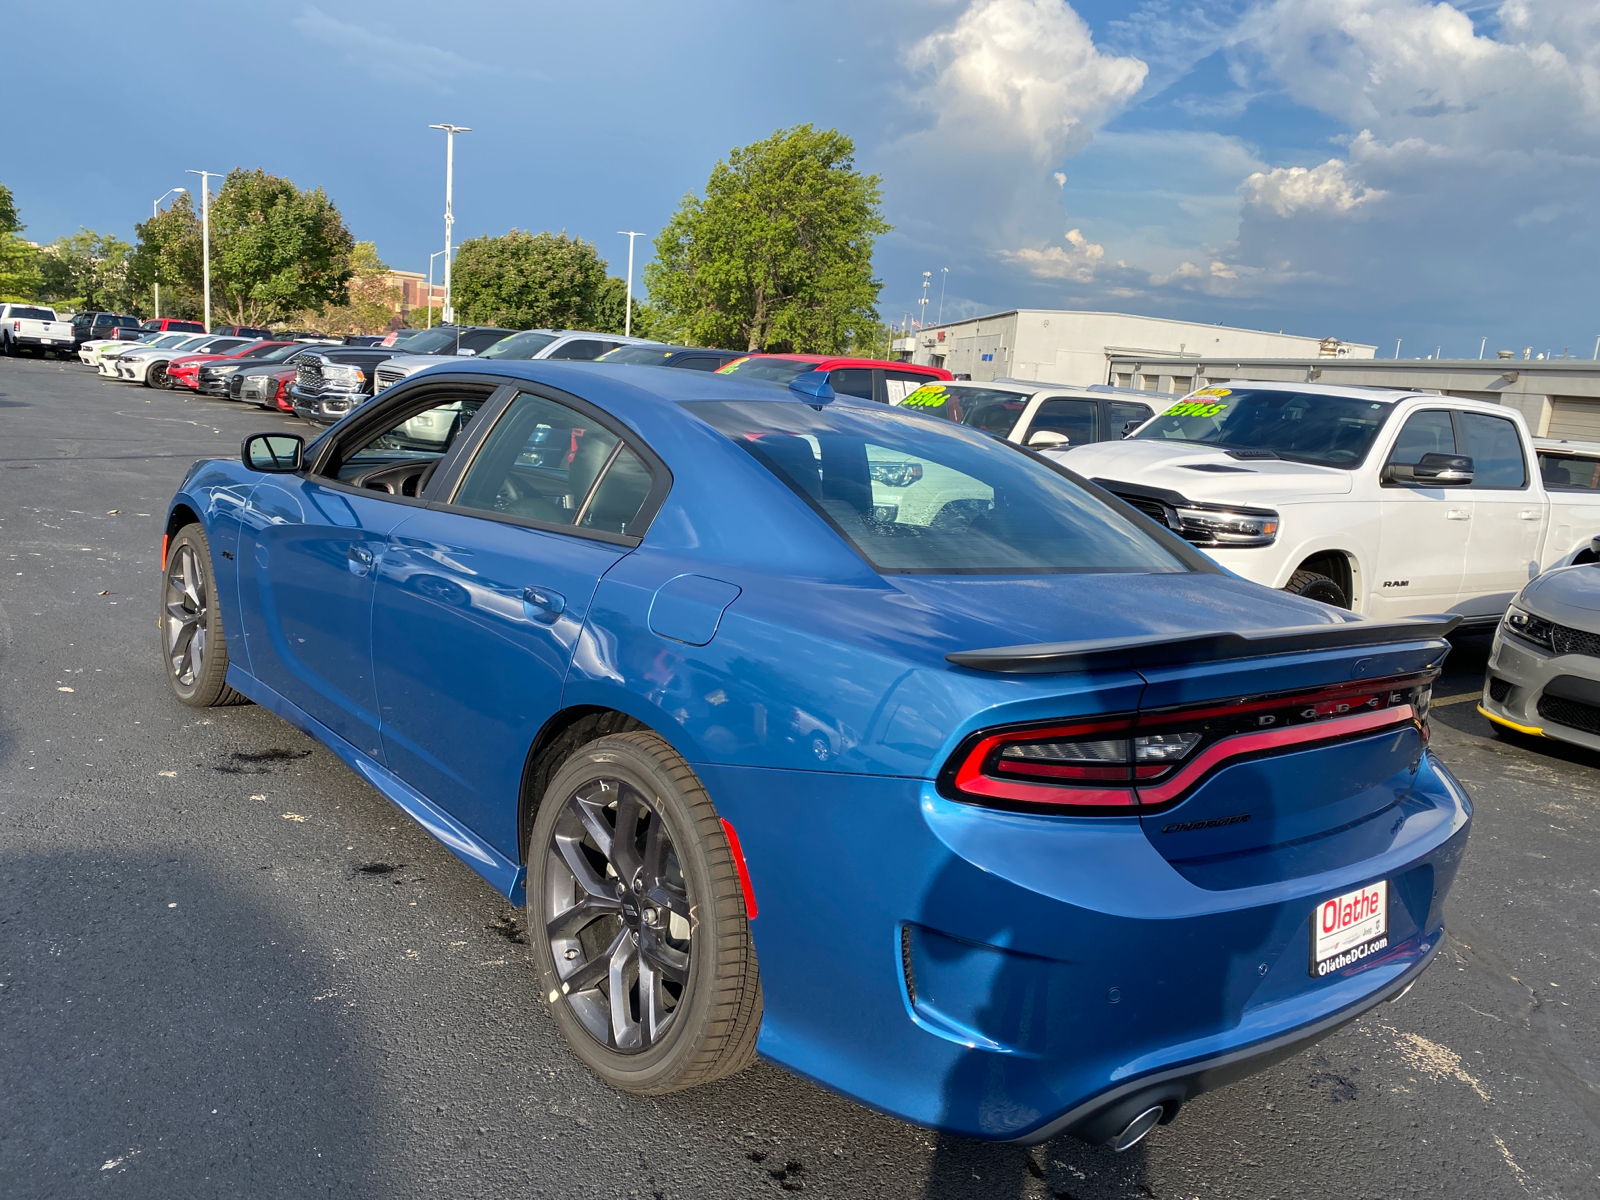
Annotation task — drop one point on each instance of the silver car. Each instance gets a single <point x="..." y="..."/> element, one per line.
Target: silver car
<point x="1544" y="670"/>
<point x="576" y="345"/>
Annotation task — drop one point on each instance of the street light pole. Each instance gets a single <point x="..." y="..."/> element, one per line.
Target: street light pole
<point x="431" y="257"/>
<point x="922" y="315"/>
<point x="944" y="278"/>
<point x="155" y="211"/>
<point x="205" y="233"/>
<point x="450" y="131"/>
<point x="627" y="320"/>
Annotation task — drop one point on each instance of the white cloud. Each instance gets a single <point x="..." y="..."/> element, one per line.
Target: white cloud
<point x="1324" y="189"/>
<point x="386" y="57"/>
<point x="1076" y="260"/>
<point x="1024" y="72"/>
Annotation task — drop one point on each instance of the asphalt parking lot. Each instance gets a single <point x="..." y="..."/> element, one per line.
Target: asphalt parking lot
<point x="212" y="981"/>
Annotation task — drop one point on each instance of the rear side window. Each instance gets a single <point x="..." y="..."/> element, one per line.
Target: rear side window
<point x="1122" y="413"/>
<point x="546" y="462"/>
<point x="1569" y="473"/>
<point x="1495" y="449"/>
<point x="852" y="381"/>
<point x="929" y="497"/>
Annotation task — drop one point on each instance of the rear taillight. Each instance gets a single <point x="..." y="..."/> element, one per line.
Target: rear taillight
<point x="1151" y="760"/>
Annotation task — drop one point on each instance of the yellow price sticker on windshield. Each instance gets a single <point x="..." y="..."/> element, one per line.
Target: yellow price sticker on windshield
<point x="930" y="395"/>
<point x="1213" y="392"/>
<point x="1195" y="408"/>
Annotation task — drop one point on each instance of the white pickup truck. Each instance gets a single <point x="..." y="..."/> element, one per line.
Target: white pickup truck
<point x="1386" y="502"/>
<point x="32" y="327"/>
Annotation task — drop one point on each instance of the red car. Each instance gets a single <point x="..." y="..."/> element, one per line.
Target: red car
<point x="868" y="378"/>
<point x="171" y="325"/>
<point x="184" y="372"/>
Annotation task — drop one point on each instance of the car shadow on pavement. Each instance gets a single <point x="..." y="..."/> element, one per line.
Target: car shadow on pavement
<point x="137" y="1038"/>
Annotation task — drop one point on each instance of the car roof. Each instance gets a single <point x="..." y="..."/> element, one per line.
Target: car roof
<point x="633" y="382"/>
<point x="845" y="360"/>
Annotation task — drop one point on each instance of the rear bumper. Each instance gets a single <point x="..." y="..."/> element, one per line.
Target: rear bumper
<point x="1008" y="976"/>
<point x="1516" y="693"/>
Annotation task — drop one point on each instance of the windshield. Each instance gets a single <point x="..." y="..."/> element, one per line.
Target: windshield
<point x="920" y="497"/>
<point x="778" y="370"/>
<point x="432" y="341"/>
<point x="1330" y="431"/>
<point x="520" y="346"/>
<point x="649" y="356"/>
<point x="988" y="409"/>
<point x="268" y="352"/>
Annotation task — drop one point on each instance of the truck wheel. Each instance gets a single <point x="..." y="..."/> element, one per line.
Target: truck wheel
<point x="1317" y="587"/>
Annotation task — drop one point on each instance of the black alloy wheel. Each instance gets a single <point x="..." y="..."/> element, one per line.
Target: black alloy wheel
<point x="156" y="376"/>
<point x="618" y="915"/>
<point x="193" y="646"/>
<point x="637" y="919"/>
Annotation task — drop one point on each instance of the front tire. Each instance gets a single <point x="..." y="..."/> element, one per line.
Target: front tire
<point x="637" y="920"/>
<point x="1317" y="587"/>
<point x="156" y="375"/>
<point x="193" y="645"/>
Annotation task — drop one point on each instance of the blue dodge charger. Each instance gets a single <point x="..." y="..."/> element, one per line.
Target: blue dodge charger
<point x="812" y="728"/>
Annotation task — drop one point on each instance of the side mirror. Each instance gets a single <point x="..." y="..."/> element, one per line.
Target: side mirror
<point x="273" y="453"/>
<point x="1443" y="470"/>
<point x="814" y="384"/>
<point x="1128" y="427"/>
<point x="465" y="353"/>
<point x="1049" y="439"/>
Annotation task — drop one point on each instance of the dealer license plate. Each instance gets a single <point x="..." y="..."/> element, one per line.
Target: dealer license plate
<point x="1350" y="927"/>
<point x="47" y="341"/>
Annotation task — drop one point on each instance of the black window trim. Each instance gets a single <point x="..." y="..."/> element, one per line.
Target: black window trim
<point x="447" y="485"/>
<point x="1455" y="425"/>
<point x="1456" y="435"/>
<point x="373" y="421"/>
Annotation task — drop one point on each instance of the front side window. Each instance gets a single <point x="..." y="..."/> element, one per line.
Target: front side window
<point x="1569" y="472"/>
<point x="852" y="381"/>
<point x="542" y="462"/>
<point x="1495" y="449"/>
<point x="424" y="436"/>
<point x="925" y="497"/>
<point x="1423" y="433"/>
<point x="1330" y="431"/>
<point x="1076" y="420"/>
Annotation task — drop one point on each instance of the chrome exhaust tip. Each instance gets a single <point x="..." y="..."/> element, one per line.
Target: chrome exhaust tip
<point x="1134" y="1132"/>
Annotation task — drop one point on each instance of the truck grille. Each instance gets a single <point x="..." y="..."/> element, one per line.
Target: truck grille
<point x="1153" y="509"/>
<point x="308" y="378"/>
<point x="387" y="376"/>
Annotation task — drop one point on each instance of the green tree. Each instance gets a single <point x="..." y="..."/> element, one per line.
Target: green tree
<point x="168" y="253"/>
<point x="373" y="298"/>
<point x="610" y="308"/>
<point x="530" y="281"/>
<point x="19" y="260"/>
<point x="275" y="249"/>
<point x="778" y="254"/>
<point x="87" y="270"/>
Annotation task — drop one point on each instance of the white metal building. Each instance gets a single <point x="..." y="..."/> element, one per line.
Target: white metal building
<point x="1064" y="346"/>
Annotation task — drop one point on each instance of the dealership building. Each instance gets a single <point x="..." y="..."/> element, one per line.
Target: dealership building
<point x="1069" y="347"/>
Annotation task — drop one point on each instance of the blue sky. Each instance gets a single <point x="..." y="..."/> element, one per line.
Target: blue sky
<point x="1371" y="169"/>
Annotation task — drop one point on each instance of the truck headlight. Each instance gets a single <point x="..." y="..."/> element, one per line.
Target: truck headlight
<point x="344" y="376"/>
<point x="1529" y="627"/>
<point x="1216" y="525"/>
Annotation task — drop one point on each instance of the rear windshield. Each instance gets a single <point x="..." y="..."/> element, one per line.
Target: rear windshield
<point x="923" y="497"/>
<point x="32" y="314"/>
<point x="1330" y="431"/>
<point x="519" y="346"/>
<point x="778" y="370"/>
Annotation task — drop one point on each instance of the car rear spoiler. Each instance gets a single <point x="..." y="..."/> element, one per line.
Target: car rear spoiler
<point x="1167" y="650"/>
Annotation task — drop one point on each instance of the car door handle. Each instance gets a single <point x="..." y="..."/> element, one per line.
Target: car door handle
<point x="1529" y="514"/>
<point x="542" y="604"/>
<point x="360" y="560"/>
<point x="1459" y="514"/>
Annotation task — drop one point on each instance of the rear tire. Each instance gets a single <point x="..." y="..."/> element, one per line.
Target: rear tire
<point x="192" y="642"/>
<point x="665" y="901"/>
<point x="1317" y="587"/>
